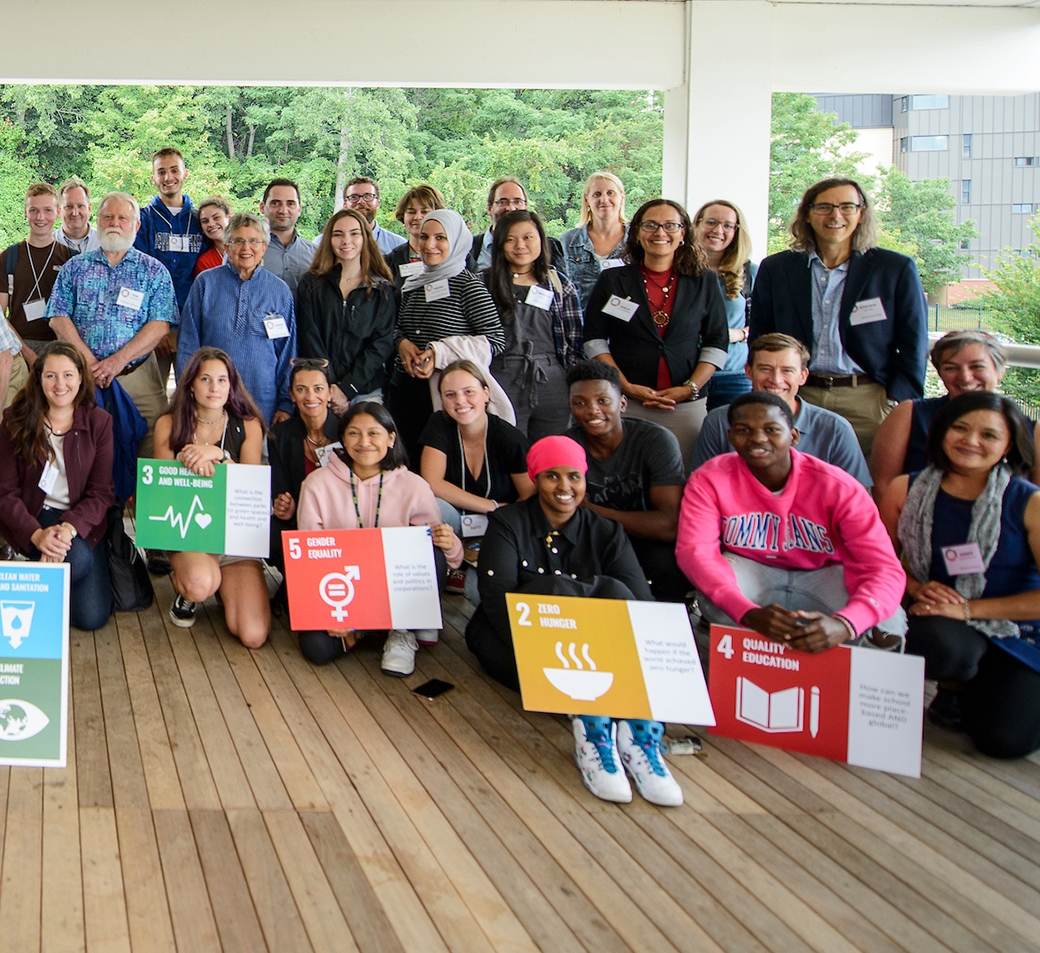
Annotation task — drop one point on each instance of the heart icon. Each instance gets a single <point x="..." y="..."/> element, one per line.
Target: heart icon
<point x="203" y="519"/>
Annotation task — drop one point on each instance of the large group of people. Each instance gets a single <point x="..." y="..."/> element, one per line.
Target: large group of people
<point x="632" y="411"/>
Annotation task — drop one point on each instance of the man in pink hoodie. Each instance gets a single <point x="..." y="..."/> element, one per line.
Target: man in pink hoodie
<point x="785" y="544"/>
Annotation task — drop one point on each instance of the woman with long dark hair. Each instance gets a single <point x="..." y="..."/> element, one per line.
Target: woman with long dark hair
<point x="969" y="528"/>
<point x="56" y="477"/>
<point x="346" y="308"/>
<point x="661" y="320"/>
<point x="213" y="421"/>
<point x="542" y="321"/>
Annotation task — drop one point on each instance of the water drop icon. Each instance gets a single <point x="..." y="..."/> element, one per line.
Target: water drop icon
<point x="16" y="623"/>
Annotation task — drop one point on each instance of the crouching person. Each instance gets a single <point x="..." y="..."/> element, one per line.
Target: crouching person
<point x="550" y="544"/>
<point x="785" y="544"/>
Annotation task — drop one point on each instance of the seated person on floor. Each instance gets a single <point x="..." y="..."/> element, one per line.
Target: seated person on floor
<point x="786" y="544"/>
<point x="978" y="628"/>
<point x="779" y="364"/>
<point x="550" y="544"/>
<point x="635" y="473"/>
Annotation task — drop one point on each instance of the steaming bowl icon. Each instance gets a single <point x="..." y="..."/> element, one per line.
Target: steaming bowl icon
<point x="583" y="686"/>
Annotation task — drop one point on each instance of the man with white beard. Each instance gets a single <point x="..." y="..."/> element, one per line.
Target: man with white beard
<point x="115" y="304"/>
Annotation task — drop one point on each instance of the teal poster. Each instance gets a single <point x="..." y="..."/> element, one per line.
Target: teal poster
<point x="34" y="663"/>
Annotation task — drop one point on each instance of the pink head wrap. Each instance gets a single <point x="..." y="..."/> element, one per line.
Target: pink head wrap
<point x="552" y="452"/>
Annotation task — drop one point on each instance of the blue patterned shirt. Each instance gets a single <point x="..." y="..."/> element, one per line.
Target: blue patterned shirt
<point x="224" y="311"/>
<point x="828" y="284"/>
<point x="102" y="301"/>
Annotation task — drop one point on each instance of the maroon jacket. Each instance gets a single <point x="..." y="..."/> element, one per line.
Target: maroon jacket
<point x="88" y="465"/>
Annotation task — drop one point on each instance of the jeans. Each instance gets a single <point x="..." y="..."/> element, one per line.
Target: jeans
<point x="725" y="387"/>
<point x="90" y="599"/>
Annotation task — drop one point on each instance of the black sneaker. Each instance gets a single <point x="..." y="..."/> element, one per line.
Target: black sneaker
<point x="945" y="710"/>
<point x="158" y="564"/>
<point x="182" y="613"/>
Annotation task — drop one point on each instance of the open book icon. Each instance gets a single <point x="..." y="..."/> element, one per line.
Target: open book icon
<point x="770" y="711"/>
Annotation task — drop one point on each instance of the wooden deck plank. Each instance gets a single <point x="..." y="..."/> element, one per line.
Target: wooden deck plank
<point x="191" y="912"/>
<point x="272" y="898"/>
<point x="978" y="782"/>
<point x="5" y="781"/>
<point x="196" y="782"/>
<point x="160" y="770"/>
<point x="104" y="900"/>
<point x="233" y="909"/>
<point x="92" y="776"/>
<point x="319" y="909"/>
<point x="256" y="760"/>
<point x="20" y="892"/>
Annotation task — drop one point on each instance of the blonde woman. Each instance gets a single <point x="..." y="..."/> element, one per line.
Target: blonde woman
<point x="598" y="242"/>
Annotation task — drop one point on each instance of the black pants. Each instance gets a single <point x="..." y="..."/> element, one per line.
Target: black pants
<point x="1000" y="703"/>
<point x="493" y="644"/>
<point x="667" y="582"/>
<point x="409" y="402"/>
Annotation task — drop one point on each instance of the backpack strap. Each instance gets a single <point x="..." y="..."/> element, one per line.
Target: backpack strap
<point x="554" y="280"/>
<point x="10" y="263"/>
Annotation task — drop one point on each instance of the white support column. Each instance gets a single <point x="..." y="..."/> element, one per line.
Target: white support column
<point x="716" y="126"/>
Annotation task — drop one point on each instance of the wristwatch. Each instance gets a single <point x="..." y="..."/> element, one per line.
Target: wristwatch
<point x="71" y="529"/>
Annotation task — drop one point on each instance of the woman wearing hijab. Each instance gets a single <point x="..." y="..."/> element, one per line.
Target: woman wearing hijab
<point x="549" y="544"/>
<point x="444" y="301"/>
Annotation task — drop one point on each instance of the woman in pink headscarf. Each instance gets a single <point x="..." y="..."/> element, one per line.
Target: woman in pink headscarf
<point x="550" y="544"/>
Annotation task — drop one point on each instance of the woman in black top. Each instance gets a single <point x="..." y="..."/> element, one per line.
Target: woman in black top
<point x="661" y="320"/>
<point x="414" y="206"/>
<point x="346" y="309"/>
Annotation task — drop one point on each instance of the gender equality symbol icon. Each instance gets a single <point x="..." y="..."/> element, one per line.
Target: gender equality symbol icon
<point x="337" y="590"/>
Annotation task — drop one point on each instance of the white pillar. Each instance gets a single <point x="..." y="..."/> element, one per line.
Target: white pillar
<point x="716" y="125"/>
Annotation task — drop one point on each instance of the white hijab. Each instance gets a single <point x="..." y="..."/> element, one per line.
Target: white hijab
<point x="460" y="242"/>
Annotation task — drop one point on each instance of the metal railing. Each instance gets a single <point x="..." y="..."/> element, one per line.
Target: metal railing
<point x="943" y="317"/>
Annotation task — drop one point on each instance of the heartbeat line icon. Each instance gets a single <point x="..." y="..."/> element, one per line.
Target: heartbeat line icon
<point x="182" y="523"/>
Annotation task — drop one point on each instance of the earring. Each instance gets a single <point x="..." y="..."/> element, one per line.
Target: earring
<point x="682" y="241"/>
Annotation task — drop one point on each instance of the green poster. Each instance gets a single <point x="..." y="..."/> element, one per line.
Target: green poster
<point x="227" y="513"/>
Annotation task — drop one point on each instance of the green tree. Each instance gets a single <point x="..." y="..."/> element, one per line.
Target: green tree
<point x="15" y="177"/>
<point x="919" y="215"/>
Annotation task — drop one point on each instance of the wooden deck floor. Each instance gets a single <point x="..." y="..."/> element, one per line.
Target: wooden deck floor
<point x="222" y="799"/>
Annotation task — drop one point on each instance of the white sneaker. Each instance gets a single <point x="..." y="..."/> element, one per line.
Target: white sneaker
<point x="640" y="745"/>
<point x="596" y="755"/>
<point x="399" y="653"/>
<point x="427" y="637"/>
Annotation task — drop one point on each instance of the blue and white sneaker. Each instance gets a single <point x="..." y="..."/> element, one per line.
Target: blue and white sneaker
<point x="640" y="745"/>
<point x="596" y="755"/>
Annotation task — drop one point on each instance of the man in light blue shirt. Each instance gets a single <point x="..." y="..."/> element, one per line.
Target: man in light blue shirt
<point x="363" y="194"/>
<point x="115" y="305"/>
<point x="289" y="255"/>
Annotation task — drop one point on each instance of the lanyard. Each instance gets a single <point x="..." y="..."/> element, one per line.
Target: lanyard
<point x="357" y="509"/>
<point x="487" y="469"/>
<point x="36" y="277"/>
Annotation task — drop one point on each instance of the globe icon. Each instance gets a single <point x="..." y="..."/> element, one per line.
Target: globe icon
<point x="13" y="720"/>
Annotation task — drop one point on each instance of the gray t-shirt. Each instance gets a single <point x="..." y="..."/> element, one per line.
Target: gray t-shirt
<point x="823" y="434"/>
<point x="648" y="456"/>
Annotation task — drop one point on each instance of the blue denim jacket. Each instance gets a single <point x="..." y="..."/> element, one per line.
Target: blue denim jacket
<point x="582" y="267"/>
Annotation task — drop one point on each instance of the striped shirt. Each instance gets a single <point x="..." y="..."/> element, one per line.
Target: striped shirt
<point x="469" y="309"/>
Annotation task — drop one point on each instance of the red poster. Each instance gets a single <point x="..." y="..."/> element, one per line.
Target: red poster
<point x="766" y="692"/>
<point x="336" y="580"/>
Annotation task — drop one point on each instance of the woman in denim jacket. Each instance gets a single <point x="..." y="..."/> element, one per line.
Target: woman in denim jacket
<point x="599" y="240"/>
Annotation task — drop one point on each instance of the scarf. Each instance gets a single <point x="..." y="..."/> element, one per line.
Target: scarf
<point x="460" y="242"/>
<point x="915" y="534"/>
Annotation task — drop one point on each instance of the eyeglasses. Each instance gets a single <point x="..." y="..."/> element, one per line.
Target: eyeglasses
<point x="239" y="242"/>
<point x="510" y="203"/>
<point x="669" y="227"/>
<point x="727" y="227"/>
<point x="365" y="197"/>
<point x="309" y="363"/>
<point x="846" y="208"/>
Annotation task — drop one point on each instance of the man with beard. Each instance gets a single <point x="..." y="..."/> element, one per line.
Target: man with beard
<point x="289" y="254"/>
<point x="363" y="195"/>
<point x="115" y="305"/>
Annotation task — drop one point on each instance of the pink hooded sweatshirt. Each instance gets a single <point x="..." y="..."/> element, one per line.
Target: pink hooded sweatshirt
<point x="821" y="517"/>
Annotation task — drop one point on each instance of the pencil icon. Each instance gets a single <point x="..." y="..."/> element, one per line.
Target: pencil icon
<point x="814" y="711"/>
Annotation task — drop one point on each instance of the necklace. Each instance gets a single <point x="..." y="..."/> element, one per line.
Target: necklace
<point x="317" y="443"/>
<point x="220" y="419"/>
<point x="57" y="433"/>
<point x="659" y="314"/>
<point x="517" y="274"/>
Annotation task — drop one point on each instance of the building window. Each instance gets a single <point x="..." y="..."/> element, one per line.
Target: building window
<point x="904" y="104"/>
<point x="966" y="146"/>
<point x="903" y="144"/>
<point x="1025" y="160"/>
<point x="929" y="143"/>
<point x="965" y="245"/>
<point x="1021" y="209"/>
<point x="931" y="102"/>
<point x="966" y="192"/>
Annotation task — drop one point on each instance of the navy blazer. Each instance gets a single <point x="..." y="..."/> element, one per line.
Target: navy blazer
<point x="892" y="352"/>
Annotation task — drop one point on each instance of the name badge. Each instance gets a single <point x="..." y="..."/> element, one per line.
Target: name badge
<point x="474" y="524"/>
<point x="868" y="312"/>
<point x="411" y="268"/>
<point x="276" y="326"/>
<point x="49" y="477"/>
<point x="436" y="290"/>
<point x="180" y="243"/>
<point x="540" y="297"/>
<point x="609" y="263"/>
<point x="34" y="309"/>
<point x="128" y="298"/>
<point x="621" y="308"/>
<point x="963" y="559"/>
<point x="324" y="454"/>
